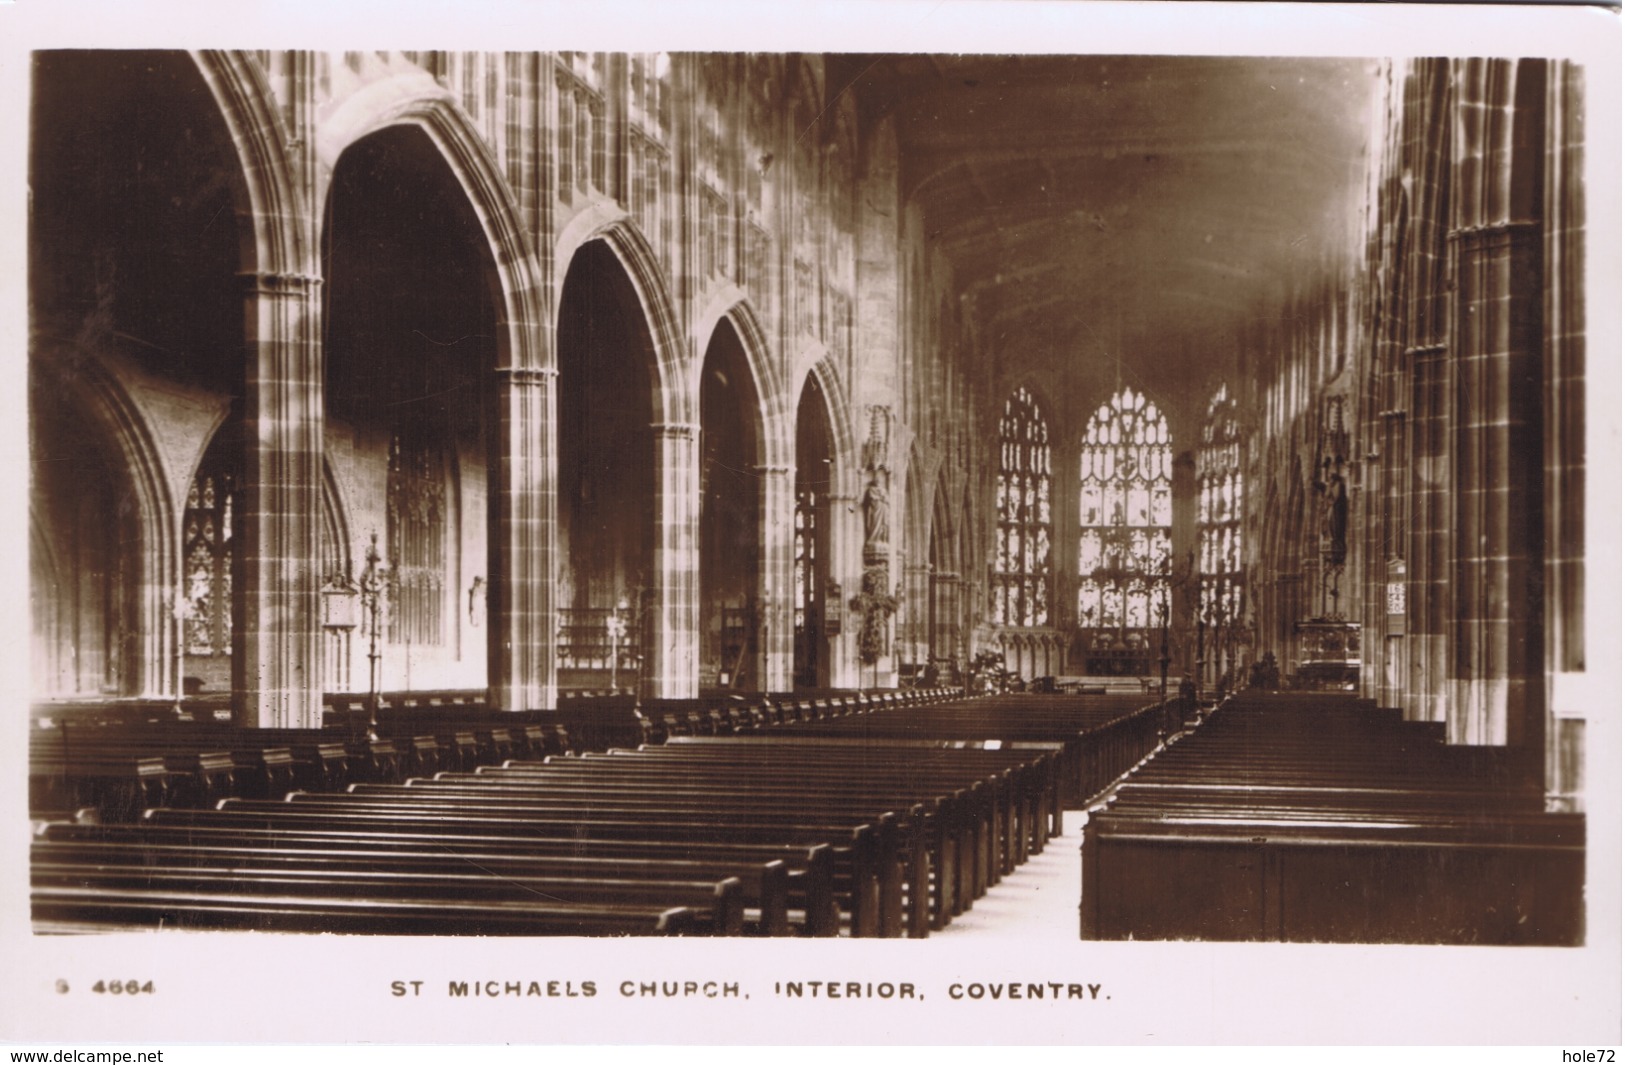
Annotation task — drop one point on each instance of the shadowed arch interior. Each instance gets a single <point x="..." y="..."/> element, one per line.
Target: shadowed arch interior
<point x="135" y="246"/>
<point x="412" y="336"/>
<point x="607" y="375"/>
<point x="810" y="552"/>
<point x="85" y="560"/>
<point x="133" y="225"/>
<point x="730" y="509"/>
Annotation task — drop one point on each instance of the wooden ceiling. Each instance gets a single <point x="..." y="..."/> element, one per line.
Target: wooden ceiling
<point x="1125" y="215"/>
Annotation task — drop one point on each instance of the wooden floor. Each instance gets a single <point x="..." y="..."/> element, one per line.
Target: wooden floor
<point x="1037" y="901"/>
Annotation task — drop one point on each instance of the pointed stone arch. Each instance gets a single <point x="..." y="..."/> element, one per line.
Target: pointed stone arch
<point x="274" y="197"/>
<point x="87" y="388"/>
<point x="672" y="615"/>
<point x="520" y="651"/>
<point x="943" y="607"/>
<point x="521" y="302"/>
<point x="276" y="652"/>
<point x="676" y="401"/>
<point x="744" y="464"/>
<point x="775" y="401"/>
<point x="844" y="445"/>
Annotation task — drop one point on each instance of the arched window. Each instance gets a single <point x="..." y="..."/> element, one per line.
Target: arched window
<point x="1218" y="512"/>
<point x="1022" y="564"/>
<point x="806" y="560"/>
<point x="417" y="538"/>
<point x="208" y="562"/>
<point x="1125" y="516"/>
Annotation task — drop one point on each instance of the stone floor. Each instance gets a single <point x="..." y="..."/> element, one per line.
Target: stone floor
<point x="1038" y="901"/>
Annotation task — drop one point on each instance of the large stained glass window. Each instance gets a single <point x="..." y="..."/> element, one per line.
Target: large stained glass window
<point x="417" y="539"/>
<point x="1125" y="515"/>
<point x="207" y="587"/>
<point x="1021" y="580"/>
<point x="806" y="565"/>
<point x="1218" y="512"/>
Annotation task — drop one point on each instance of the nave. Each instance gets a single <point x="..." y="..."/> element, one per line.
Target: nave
<point x="881" y="454"/>
<point x="1300" y="816"/>
<point x="873" y="837"/>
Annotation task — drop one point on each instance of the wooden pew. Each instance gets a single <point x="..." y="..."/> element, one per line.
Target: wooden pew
<point x="994" y="848"/>
<point x="857" y="849"/>
<point x="808" y="870"/>
<point x="763" y="887"/>
<point x="118" y="786"/>
<point x="897" y="838"/>
<point x="1516" y="884"/>
<point x="924" y="816"/>
<point x="717" y="904"/>
<point x="85" y="909"/>
<point x="1325" y="821"/>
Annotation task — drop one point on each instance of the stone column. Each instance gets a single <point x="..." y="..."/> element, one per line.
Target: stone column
<point x="1497" y="650"/>
<point x="277" y="634"/>
<point x="915" y="626"/>
<point x="845" y="569"/>
<point x="1565" y="442"/>
<point x="523" y="529"/>
<point x="1428" y="591"/>
<point x="775" y="579"/>
<point x="1497" y="642"/>
<point x="945" y="641"/>
<point x="673" y="660"/>
<point x="1184" y="544"/>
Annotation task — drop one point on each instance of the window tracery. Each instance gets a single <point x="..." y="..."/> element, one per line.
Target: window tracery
<point x="1021" y="583"/>
<point x="1125" y="515"/>
<point x="417" y="539"/>
<point x="1219" y="512"/>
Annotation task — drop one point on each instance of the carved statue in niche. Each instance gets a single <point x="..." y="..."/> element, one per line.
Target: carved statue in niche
<point x="1334" y="496"/>
<point x="877" y="496"/>
<point x="1335" y="519"/>
<point x="876" y="516"/>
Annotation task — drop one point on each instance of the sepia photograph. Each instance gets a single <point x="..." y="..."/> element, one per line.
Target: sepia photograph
<point x="555" y="537"/>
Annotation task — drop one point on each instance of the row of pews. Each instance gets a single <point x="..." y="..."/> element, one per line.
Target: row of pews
<point x="116" y="772"/>
<point x="723" y="836"/>
<point x="1320" y="818"/>
<point x="118" y="760"/>
<point x="749" y="830"/>
<point x="1098" y="736"/>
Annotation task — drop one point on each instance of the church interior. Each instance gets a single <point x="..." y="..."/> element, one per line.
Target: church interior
<point x="782" y="494"/>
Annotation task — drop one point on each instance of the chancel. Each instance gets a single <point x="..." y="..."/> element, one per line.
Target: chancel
<point x="582" y="493"/>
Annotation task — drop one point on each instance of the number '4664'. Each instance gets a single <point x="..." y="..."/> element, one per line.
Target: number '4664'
<point x="122" y="987"/>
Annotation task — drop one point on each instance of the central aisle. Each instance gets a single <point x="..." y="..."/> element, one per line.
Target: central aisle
<point x="1037" y="901"/>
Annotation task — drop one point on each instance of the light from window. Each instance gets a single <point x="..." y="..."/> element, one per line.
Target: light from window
<point x="1125" y="515"/>
<point x="1218" y="512"/>
<point x="417" y="539"/>
<point x="1021" y="583"/>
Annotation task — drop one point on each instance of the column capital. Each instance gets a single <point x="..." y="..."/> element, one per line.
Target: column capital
<point x="527" y="375"/>
<point x="1491" y="232"/>
<point x="286" y="285"/>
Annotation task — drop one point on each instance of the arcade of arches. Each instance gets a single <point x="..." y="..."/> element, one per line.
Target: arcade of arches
<point x="673" y="373"/>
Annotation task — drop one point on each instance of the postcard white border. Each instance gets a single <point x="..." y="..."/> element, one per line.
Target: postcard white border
<point x="245" y="990"/>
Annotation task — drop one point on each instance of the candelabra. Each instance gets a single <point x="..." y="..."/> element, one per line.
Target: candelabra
<point x="374" y="588"/>
<point x="1162" y="612"/>
<point x="615" y="624"/>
